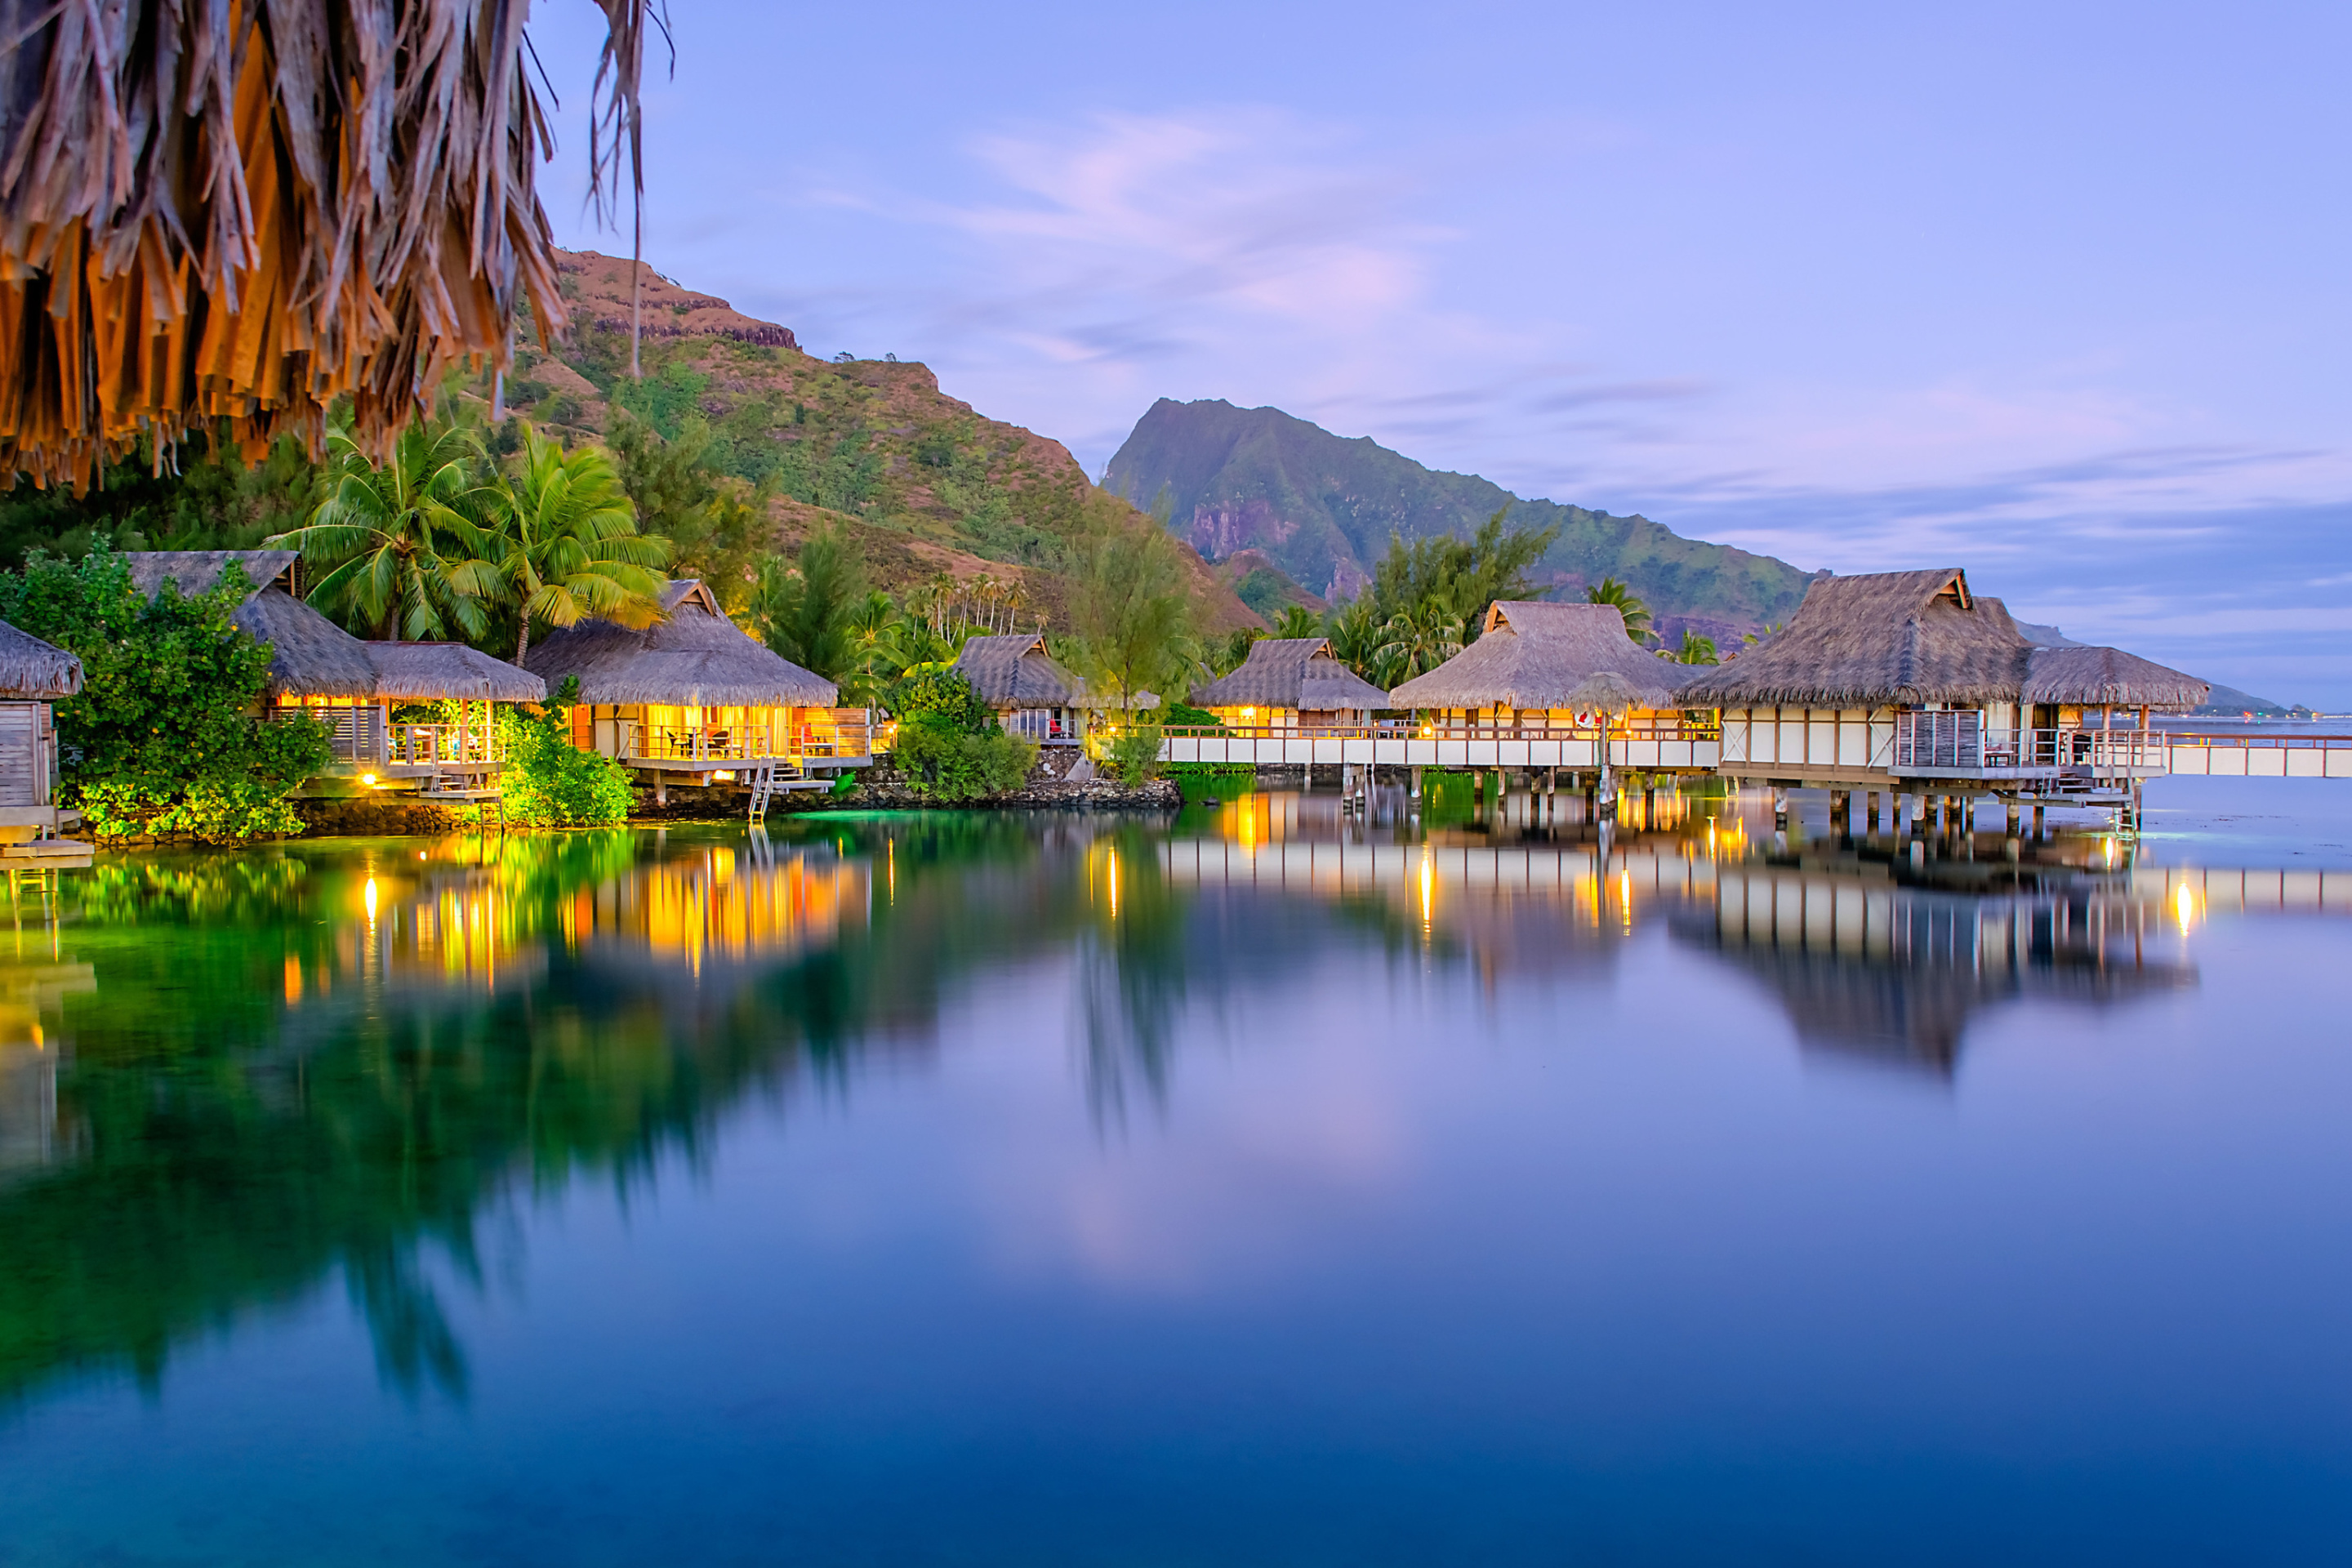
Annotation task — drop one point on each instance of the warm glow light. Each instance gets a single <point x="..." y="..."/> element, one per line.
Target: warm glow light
<point x="2184" y="905"/>
<point x="368" y="779"/>
<point x="369" y="897"/>
<point x="1114" y="887"/>
<point x="1428" y="890"/>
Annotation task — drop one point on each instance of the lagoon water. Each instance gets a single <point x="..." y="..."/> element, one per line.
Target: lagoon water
<point x="1260" y="1187"/>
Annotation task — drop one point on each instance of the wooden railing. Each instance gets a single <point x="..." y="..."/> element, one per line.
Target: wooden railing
<point x="1637" y="728"/>
<point x="474" y="741"/>
<point x="744" y="743"/>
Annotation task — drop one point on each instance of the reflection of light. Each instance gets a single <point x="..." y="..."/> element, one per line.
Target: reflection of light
<point x="1114" y="887"/>
<point x="2184" y="906"/>
<point x="369" y="895"/>
<point x="420" y="854"/>
<point x="1428" y="890"/>
<point x="368" y="779"/>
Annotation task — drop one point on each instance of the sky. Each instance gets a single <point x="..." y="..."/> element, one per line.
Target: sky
<point x="2055" y="292"/>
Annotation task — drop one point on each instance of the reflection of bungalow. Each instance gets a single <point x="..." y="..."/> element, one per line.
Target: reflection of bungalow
<point x="692" y="697"/>
<point x="1532" y="671"/>
<point x="1033" y="694"/>
<point x="33" y="674"/>
<point x="1873" y="971"/>
<point x="319" y="669"/>
<point x="1291" y="683"/>
<point x="1909" y="676"/>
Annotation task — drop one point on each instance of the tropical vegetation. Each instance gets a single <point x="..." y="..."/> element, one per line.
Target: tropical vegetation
<point x="165" y="738"/>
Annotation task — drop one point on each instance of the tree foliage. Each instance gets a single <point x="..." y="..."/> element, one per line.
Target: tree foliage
<point x="714" y="533"/>
<point x="809" y="611"/>
<point x="566" y="542"/>
<point x="1467" y="575"/>
<point x="1609" y="591"/>
<point x="550" y="783"/>
<point x="165" y="737"/>
<point x="1695" y="649"/>
<point x="1130" y="611"/>
<point x="405" y="545"/>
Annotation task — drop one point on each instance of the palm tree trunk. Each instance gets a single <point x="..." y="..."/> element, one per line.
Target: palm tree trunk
<point x="522" y="643"/>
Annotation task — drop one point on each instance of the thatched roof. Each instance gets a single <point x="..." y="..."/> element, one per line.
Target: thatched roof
<point x="1892" y="637"/>
<point x="2096" y="677"/>
<point x="310" y="654"/>
<point x="696" y="657"/>
<point x="1015" y="671"/>
<point x="1291" y="672"/>
<point x="431" y="671"/>
<point x="1536" y="655"/>
<point x="195" y="572"/>
<point x="33" y="671"/>
<point x="221" y="210"/>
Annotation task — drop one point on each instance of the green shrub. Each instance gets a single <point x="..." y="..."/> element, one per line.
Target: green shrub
<point x="550" y="783"/>
<point x="942" y="762"/>
<point x="937" y="694"/>
<point x="1134" y="754"/>
<point x="1184" y="716"/>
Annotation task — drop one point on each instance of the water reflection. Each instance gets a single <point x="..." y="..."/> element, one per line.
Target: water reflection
<point x="225" y="1080"/>
<point x="1897" y="974"/>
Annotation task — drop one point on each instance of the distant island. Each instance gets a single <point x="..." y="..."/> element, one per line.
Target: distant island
<point x="1303" y="514"/>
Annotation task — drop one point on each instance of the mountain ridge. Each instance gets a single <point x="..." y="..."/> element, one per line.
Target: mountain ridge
<point x="1322" y="506"/>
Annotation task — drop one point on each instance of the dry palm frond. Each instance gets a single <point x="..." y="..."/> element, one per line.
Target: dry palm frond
<point x="236" y="211"/>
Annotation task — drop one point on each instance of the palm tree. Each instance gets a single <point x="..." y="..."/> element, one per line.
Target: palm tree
<point x="1297" y="621"/>
<point x="1609" y="591"/>
<point x="567" y="544"/>
<point x="1357" y="636"/>
<point x="1419" y="639"/>
<point x="406" y="542"/>
<point x="1695" y="649"/>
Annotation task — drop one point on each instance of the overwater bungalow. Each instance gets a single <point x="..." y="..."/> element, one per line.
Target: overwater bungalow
<point x="1909" y="680"/>
<point x="692" y="699"/>
<point x="1033" y="695"/>
<point x="1539" y="669"/>
<point x="1292" y="684"/>
<point x="33" y="674"/>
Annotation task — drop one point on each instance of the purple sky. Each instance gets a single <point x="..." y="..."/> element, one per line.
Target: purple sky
<point x="2054" y="292"/>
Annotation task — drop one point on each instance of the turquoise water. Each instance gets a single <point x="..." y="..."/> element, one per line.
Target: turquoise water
<point x="1263" y="1187"/>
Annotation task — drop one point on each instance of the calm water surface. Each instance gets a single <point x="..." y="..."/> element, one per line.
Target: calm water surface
<point x="1258" y="1188"/>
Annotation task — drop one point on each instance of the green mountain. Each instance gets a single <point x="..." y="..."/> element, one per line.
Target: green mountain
<point x="1323" y="507"/>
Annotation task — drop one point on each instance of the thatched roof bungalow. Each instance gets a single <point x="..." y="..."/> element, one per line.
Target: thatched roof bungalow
<point x="1291" y="683"/>
<point x="1033" y="693"/>
<point x="33" y="674"/>
<point x="693" y="693"/>
<point x="1537" y="663"/>
<point x="349" y="685"/>
<point x="1909" y="674"/>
